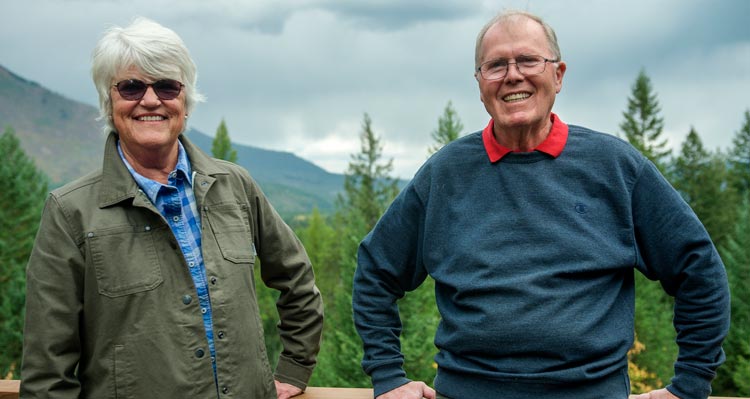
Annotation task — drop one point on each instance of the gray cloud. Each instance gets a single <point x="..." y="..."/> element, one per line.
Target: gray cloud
<point x="397" y="14"/>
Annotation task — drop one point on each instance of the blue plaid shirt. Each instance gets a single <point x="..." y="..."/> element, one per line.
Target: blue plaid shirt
<point x="176" y="202"/>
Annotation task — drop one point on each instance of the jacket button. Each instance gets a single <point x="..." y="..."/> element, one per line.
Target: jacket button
<point x="220" y="334"/>
<point x="199" y="353"/>
<point x="186" y="299"/>
<point x="224" y="389"/>
<point x="214" y="280"/>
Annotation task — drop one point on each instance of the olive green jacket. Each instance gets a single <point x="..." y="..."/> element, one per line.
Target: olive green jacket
<point x="111" y="309"/>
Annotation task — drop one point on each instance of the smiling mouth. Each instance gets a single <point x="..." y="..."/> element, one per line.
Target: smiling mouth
<point x="150" y="118"/>
<point x="516" y="97"/>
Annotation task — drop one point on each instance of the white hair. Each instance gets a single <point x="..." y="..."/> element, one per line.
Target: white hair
<point x="156" y="51"/>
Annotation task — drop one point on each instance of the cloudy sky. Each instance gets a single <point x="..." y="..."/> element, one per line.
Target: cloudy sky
<point x="298" y="75"/>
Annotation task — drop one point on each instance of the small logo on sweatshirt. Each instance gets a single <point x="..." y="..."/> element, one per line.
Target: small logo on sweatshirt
<point x="581" y="208"/>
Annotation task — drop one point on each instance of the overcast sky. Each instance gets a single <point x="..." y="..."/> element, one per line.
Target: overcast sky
<point x="298" y="75"/>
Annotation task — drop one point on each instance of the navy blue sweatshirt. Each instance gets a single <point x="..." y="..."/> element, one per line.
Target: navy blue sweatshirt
<point x="533" y="260"/>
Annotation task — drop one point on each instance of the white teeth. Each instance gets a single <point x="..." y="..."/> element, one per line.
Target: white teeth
<point x="516" y="97"/>
<point x="151" y="118"/>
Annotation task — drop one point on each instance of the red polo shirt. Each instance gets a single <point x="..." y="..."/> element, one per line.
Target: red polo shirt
<point x="552" y="145"/>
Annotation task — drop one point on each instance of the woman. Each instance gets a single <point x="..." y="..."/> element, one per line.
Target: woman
<point x="140" y="283"/>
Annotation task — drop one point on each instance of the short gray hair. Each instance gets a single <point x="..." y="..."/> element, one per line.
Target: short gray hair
<point x="514" y="14"/>
<point x="156" y="51"/>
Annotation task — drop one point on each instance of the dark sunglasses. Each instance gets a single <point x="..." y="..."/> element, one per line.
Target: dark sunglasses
<point x="134" y="89"/>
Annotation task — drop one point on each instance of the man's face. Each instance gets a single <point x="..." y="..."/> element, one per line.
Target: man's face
<point x="518" y="101"/>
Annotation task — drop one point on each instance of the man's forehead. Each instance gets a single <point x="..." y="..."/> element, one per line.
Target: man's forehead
<point x="515" y="33"/>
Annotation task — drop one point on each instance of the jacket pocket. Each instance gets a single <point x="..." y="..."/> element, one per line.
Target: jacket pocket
<point x="125" y="260"/>
<point x="231" y="228"/>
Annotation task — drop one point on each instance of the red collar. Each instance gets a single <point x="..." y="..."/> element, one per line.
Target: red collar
<point x="552" y="145"/>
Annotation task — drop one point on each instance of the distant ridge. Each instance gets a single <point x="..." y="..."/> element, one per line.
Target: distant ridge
<point x="51" y="127"/>
<point x="66" y="141"/>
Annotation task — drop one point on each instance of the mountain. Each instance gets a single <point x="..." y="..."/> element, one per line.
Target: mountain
<point x="66" y="141"/>
<point x="61" y="135"/>
<point x="293" y="184"/>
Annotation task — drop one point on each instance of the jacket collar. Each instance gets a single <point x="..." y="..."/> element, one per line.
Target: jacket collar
<point x="118" y="185"/>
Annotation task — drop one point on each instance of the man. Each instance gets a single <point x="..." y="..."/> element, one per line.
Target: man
<point x="141" y="283"/>
<point x="532" y="230"/>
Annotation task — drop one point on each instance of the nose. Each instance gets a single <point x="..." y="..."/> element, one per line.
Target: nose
<point x="514" y="72"/>
<point x="150" y="97"/>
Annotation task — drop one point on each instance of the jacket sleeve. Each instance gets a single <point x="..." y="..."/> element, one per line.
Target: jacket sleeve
<point x="54" y="297"/>
<point x="388" y="265"/>
<point x="286" y="267"/>
<point x="675" y="248"/>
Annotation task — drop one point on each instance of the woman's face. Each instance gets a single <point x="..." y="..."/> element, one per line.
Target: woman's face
<point x="150" y="124"/>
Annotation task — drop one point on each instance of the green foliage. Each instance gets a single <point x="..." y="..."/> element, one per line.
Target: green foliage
<point x="221" y="147"/>
<point x="269" y="316"/>
<point x="320" y="241"/>
<point x="641" y="381"/>
<point x="701" y="176"/>
<point x="653" y="326"/>
<point x="642" y="125"/>
<point x="419" y="318"/>
<point x="449" y="128"/>
<point x="341" y="349"/>
<point x="739" y="158"/>
<point x="736" y="256"/>
<point x="21" y="202"/>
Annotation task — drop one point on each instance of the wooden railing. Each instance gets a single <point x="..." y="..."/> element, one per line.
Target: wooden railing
<point x="9" y="390"/>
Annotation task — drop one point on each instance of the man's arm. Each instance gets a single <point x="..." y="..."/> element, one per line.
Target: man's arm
<point x="675" y="248"/>
<point x="388" y="265"/>
<point x="54" y="286"/>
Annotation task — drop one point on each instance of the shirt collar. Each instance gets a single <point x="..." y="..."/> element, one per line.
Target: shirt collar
<point x="151" y="187"/>
<point x="553" y="145"/>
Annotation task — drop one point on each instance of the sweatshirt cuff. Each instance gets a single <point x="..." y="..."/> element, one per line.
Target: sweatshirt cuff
<point x="689" y="385"/>
<point x="385" y="379"/>
<point x="291" y="372"/>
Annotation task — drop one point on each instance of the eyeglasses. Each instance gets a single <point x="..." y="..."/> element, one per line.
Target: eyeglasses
<point x="134" y="89"/>
<point x="527" y="65"/>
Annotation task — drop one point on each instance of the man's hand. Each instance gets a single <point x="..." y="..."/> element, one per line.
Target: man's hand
<point x="286" y="391"/>
<point x="412" y="390"/>
<point x="658" y="394"/>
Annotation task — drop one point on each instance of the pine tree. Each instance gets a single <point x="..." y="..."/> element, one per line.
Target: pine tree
<point x="368" y="191"/>
<point x="368" y="186"/>
<point x="736" y="256"/>
<point x="701" y="176"/>
<point x="221" y="147"/>
<point x="21" y="202"/>
<point x="642" y="125"/>
<point x="449" y="128"/>
<point x="739" y="158"/>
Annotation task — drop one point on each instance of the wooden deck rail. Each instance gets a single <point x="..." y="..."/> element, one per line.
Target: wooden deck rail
<point x="9" y="390"/>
